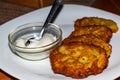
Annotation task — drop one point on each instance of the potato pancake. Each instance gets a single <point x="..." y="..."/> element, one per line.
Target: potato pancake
<point x="96" y="21"/>
<point x="78" y="60"/>
<point x="100" y="31"/>
<point x="91" y="40"/>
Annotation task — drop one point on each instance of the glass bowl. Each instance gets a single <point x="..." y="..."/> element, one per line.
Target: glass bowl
<point x="18" y="37"/>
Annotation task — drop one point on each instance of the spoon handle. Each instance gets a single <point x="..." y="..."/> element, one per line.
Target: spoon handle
<point x="54" y="8"/>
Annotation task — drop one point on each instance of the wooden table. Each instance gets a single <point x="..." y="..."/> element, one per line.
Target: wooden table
<point x="108" y="5"/>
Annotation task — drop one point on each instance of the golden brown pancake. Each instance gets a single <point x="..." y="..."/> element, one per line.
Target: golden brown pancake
<point x="78" y="60"/>
<point x="96" y="21"/>
<point x="91" y="40"/>
<point x="99" y="31"/>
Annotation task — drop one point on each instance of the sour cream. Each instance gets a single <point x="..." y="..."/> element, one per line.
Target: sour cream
<point x="37" y="49"/>
<point x="45" y="40"/>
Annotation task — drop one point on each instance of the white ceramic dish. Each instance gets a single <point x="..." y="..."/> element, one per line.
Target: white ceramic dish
<point x="41" y="70"/>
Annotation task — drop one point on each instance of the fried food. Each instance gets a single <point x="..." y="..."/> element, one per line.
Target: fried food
<point x="100" y="31"/>
<point x="96" y="21"/>
<point x="86" y="50"/>
<point x="91" y="40"/>
<point x="78" y="60"/>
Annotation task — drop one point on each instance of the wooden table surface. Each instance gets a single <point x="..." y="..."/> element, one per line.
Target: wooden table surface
<point x="108" y="5"/>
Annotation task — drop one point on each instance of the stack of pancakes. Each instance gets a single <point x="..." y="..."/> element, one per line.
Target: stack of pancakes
<point x="86" y="50"/>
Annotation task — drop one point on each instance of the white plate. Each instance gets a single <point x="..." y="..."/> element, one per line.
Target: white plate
<point x="41" y="70"/>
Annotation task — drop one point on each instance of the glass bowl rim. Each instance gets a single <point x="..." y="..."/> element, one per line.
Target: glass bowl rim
<point x="56" y="41"/>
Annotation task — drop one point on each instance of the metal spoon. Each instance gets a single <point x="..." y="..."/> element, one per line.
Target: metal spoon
<point x="53" y="10"/>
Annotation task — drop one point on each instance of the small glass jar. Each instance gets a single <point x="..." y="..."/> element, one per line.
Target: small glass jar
<point x="29" y="30"/>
